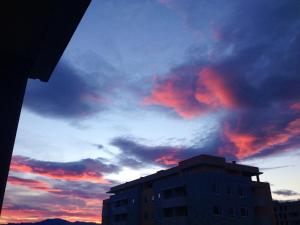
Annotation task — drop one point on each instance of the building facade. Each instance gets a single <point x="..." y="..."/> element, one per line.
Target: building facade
<point x="287" y="212"/>
<point x="204" y="190"/>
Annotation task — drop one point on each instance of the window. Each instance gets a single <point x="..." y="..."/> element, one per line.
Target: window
<point x="231" y="212"/>
<point x="120" y="203"/>
<point x="241" y="192"/>
<point x="145" y="215"/>
<point x="217" y="210"/>
<point x="168" y="212"/>
<point x="167" y="193"/>
<point x="152" y="197"/>
<point x="244" y="212"/>
<point x="229" y="190"/>
<point x="175" y="211"/>
<point x="121" y="217"/>
<point x="180" y="191"/>
<point x="146" y="199"/>
<point x="180" y="211"/>
<point x="174" y="192"/>
<point x="215" y="188"/>
<point x="152" y="215"/>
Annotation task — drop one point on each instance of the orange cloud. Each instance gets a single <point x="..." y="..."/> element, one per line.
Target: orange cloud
<point x="207" y="91"/>
<point x="171" y="93"/>
<point x="167" y="160"/>
<point x="93" y="177"/>
<point x="246" y="145"/>
<point x="212" y="91"/>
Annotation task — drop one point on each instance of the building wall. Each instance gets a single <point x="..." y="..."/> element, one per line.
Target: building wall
<point x="200" y="195"/>
<point x="287" y="213"/>
<point x="123" y="208"/>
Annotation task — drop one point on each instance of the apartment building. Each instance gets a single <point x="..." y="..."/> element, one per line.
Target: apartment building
<point x="204" y="190"/>
<point x="287" y="212"/>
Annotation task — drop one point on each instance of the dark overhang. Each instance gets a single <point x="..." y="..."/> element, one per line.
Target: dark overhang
<point x="37" y="32"/>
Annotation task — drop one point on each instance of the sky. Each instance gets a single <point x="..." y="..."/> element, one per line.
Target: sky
<point x="145" y="84"/>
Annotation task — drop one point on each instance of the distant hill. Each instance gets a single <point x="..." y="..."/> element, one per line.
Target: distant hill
<point x="54" y="222"/>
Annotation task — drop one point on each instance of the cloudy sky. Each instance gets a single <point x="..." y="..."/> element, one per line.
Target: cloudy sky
<point x="145" y="84"/>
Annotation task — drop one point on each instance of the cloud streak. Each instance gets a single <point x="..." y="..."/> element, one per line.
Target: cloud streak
<point x="84" y="170"/>
<point x="135" y="155"/>
<point x="286" y="192"/>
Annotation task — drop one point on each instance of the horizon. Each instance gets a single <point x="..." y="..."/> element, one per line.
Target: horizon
<point x="143" y="85"/>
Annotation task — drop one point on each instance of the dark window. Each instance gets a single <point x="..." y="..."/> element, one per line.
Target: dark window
<point x="152" y="215"/>
<point x="146" y="199"/>
<point x="180" y="191"/>
<point x="121" y="217"/>
<point x="244" y="212"/>
<point x="228" y="190"/>
<point x="168" y="212"/>
<point x="217" y="210"/>
<point x="167" y="193"/>
<point x="146" y="215"/>
<point x="215" y="188"/>
<point x="175" y="211"/>
<point x="180" y="211"/>
<point x="231" y="212"/>
<point x="120" y="203"/>
<point x="241" y="192"/>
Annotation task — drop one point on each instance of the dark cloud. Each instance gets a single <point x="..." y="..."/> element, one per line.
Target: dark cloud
<point x="253" y="75"/>
<point x="99" y="146"/>
<point x="74" y="90"/>
<point x="30" y="183"/>
<point x="84" y="170"/>
<point x="286" y="192"/>
<point x="136" y="155"/>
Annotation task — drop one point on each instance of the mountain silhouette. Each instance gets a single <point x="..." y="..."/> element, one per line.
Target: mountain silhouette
<point x="54" y="222"/>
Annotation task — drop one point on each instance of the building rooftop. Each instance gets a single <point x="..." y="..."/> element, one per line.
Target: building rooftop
<point x="203" y="161"/>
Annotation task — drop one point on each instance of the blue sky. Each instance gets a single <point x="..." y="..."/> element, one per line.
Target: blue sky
<point x="145" y="84"/>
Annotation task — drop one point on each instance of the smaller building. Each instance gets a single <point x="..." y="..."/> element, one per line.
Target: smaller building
<point x="287" y="212"/>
